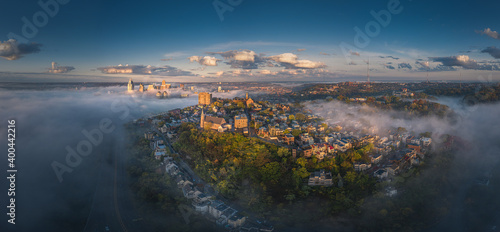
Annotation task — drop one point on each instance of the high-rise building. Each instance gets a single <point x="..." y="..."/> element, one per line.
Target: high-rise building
<point x="204" y="98"/>
<point x="181" y="86"/>
<point x="246" y="96"/>
<point x="141" y="88"/>
<point x="130" y="85"/>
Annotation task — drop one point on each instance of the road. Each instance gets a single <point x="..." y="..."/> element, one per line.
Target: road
<point x="112" y="208"/>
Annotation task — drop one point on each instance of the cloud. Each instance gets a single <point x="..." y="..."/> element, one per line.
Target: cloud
<point x="463" y="61"/>
<point x="354" y="53"/>
<point x="291" y="61"/>
<point x="324" y="54"/>
<point x="245" y="59"/>
<point x="207" y="60"/>
<point x="389" y="66"/>
<point x="404" y="66"/>
<point x="267" y="72"/>
<point x="391" y="57"/>
<point x="490" y="33"/>
<point x="12" y="50"/>
<point x="352" y="63"/>
<point x="301" y="49"/>
<point x="166" y="59"/>
<point x="145" y="70"/>
<point x="493" y="51"/>
<point x="62" y="69"/>
<point x="423" y="64"/>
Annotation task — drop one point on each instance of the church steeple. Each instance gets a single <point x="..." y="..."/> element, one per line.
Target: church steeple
<point x="202" y="119"/>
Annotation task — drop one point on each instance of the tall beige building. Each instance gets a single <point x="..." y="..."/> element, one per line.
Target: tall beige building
<point x="204" y="98"/>
<point x="240" y="121"/>
<point x="130" y="86"/>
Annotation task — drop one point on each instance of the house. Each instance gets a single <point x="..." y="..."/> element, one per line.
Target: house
<point x="164" y="128"/>
<point x="236" y="220"/>
<point x="393" y="169"/>
<point x="375" y="158"/>
<point x="263" y="132"/>
<point x="217" y="211"/>
<point x="359" y="167"/>
<point x="201" y="207"/>
<point x="240" y="121"/>
<point x="307" y="151"/>
<point x="426" y="141"/>
<point x="213" y="206"/>
<point x="320" y="178"/>
<point x="415" y="147"/>
<point x="148" y="135"/>
<point x="228" y="213"/>
<point x="289" y="139"/>
<point x="381" y="173"/>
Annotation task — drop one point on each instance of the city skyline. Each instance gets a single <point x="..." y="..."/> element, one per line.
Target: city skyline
<point x="194" y="41"/>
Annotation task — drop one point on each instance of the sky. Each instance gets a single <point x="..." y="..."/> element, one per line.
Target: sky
<point x="243" y="40"/>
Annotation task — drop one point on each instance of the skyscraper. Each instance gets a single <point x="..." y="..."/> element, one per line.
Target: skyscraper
<point x="130" y="85"/>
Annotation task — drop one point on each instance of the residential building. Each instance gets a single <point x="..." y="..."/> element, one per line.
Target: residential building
<point x="240" y="121"/>
<point x="320" y="178"/>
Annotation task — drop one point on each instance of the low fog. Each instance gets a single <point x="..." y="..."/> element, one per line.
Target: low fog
<point x="47" y="121"/>
<point x="477" y="125"/>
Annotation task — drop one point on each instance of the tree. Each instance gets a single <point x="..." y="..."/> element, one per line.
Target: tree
<point x="271" y="172"/>
<point x="401" y="129"/>
<point x="290" y="197"/>
<point x="301" y="161"/>
<point x="296" y="132"/>
<point x="283" y="152"/>
<point x="426" y="134"/>
<point x="291" y="117"/>
<point x="300" y="117"/>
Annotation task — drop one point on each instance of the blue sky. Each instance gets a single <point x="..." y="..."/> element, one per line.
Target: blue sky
<point x="256" y="40"/>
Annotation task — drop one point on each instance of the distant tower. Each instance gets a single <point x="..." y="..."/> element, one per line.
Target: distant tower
<point x="165" y="94"/>
<point x="202" y="119"/>
<point x="141" y="88"/>
<point x="163" y="85"/>
<point x="130" y="85"/>
<point x="246" y="96"/>
<point x="54" y="65"/>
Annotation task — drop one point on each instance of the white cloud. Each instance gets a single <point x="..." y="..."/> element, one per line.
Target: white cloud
<point x="490" y="33"/>
<point x="291" y="61"/>
<point x="206" y="60"/>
